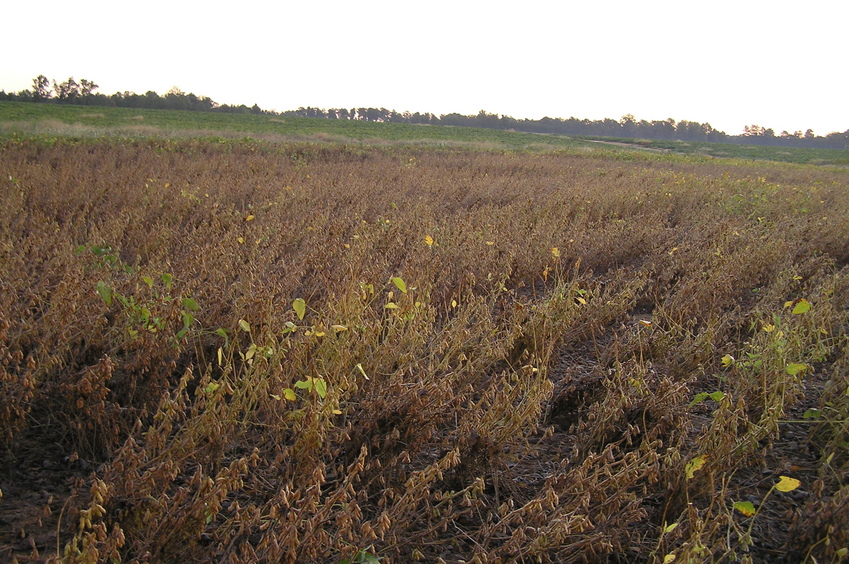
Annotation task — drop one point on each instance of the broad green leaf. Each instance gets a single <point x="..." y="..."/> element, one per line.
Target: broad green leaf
<point x="289" y="394"/>
<point x="320" y="387"/>
<point x="300" y="307"/>
<point x="221" y="332"/>
<point x="802" y="306"/>
<point x="244" y="326"/>
<point x="787" y="484"/>
<point x="670" y="528"/>
<point x="188" y="319"/>
<point x="717" y="395"/>
<point x="211" y="387"/>
<point x="700" y="397"/>
<point x="190" y="304"/>
<point x="148" y="280"/>
<point x="304" y="384"/>
<point x="745" y="507"/>
<point x="167" y="279"/>
<point x="694" y="466"/>
<point x="105" y="292"/>
<point x="812" y="413"/>
<point x="400" y="284"/>
<point x="795" y="368"/>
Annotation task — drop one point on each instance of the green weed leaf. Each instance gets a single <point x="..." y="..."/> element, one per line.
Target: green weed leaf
<point x="400" y="284"/>
<point x="244" y="326"/>
<point x="794" y="368"/>
<point x="105" y="292"/>
<point x="694" y="466"/>
<point x="700" y="397"/>
<point x="802" y="306"/>
<point x="289" y="394"/>
<point x="190" y="304"/>
<point x="320" y="387"/>
<point x="745" y="507"/>
<point x="300" y="307"/>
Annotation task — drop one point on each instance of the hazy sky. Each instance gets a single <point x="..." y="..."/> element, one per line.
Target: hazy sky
<point x="779" y="64"/>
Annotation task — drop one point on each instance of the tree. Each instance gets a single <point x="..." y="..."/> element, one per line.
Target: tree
<point x="67" y="91"/>
<point x="41" y="89"/>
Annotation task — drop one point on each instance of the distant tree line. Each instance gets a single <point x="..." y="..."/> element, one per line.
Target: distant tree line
<point x="83" y="92"/>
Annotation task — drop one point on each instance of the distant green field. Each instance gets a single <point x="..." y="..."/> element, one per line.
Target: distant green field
<point x="95" y="121"/>
<point x="43" y="119"/>
<point x="734" y="151"/>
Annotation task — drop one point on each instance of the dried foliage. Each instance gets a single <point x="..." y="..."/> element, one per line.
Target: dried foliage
<point x="255" y="352"/>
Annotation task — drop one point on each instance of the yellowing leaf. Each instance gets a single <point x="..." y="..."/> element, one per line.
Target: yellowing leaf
<point x="769" y="328"/>
<point x="727" y="360"/>
<point x="670" y="528"/>
<point x="453" y="303"/>
<point x="244" y="326"/>
<point x="645" y="323"/>
<point x="250" y="217"/>
<point x="582" y="301"/>
<point x="390" y="305"/>
<point x="275" y="396"/>
<point x="363" y="372"/>
<point x="490" y="243"/>
<point x="428" y="240"/>
<point x="339" y="328"/>
<point x="241" y="240"/>
<point x="555" y="252"/>
<point x="337" y="412"/>
<point x="787" y="484"/>
<point x="289" y="394"/>
<point x="694" y="466"/>
<point x="745" y="507"/>
<point x="319" y="333"/>
<point x="802" y="306"/>
<point x="669" y="559"/>
<point x="788" y="304"/>
<point x="300" y="307"/>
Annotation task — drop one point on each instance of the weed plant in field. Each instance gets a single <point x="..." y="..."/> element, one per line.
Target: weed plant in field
<point x="251" y="351"/>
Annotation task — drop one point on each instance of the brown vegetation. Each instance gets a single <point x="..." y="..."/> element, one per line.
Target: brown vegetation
<point x="499" y="357"/>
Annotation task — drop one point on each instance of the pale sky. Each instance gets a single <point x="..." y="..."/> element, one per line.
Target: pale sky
<point x="775" y="63"/>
